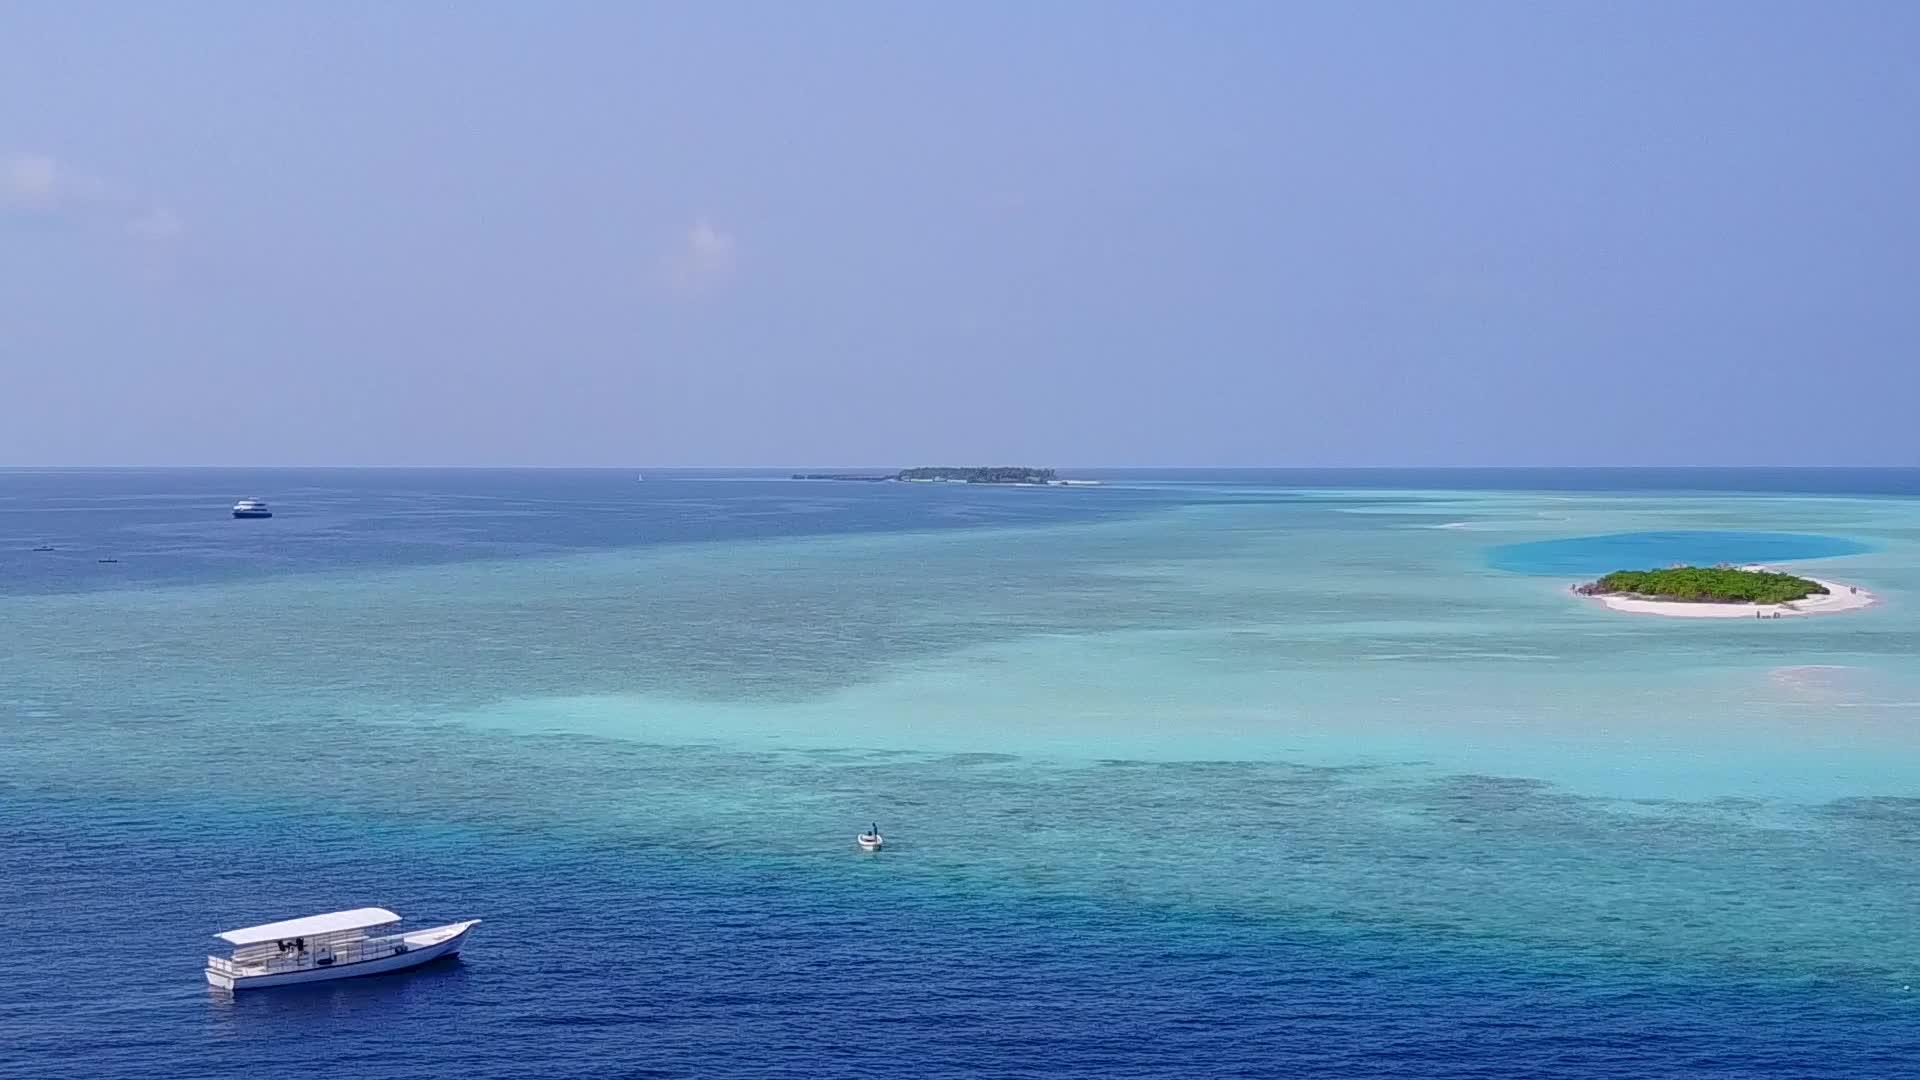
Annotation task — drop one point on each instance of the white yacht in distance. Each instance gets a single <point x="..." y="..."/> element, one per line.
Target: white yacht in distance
<point x="321" y="947"/>
<point x="251" y="508"/>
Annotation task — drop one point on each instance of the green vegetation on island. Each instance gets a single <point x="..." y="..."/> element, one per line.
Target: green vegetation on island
<point x="947" y="474"/>
<point x="1706" y="585"/>
<point x="992" y="474"/>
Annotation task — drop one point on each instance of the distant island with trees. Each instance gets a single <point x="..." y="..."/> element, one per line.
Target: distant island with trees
<point x="983" y="474"/>
<point x="986" y="474"/>
<point x="1705" y="585"/>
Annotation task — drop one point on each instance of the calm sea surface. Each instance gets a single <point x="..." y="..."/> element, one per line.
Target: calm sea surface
<point x="1266" y="773"/>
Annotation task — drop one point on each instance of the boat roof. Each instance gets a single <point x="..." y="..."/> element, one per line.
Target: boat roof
<point x="357" y="919"/>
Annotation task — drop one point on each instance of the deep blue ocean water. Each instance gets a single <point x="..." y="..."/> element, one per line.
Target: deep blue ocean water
<point x="1652" y="550"/>
<point x="612" y="960"/>
<point x="196" y="737"/>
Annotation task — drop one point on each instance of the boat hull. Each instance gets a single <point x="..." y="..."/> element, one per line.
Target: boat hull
<point x="412" y="958"/>
<point x="253" y="513"/>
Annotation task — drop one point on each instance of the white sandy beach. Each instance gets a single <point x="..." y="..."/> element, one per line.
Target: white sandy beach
<point x="1839" y="598"/>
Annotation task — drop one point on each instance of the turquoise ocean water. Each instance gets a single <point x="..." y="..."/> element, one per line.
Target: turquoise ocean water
<point x="1200" y="774"/>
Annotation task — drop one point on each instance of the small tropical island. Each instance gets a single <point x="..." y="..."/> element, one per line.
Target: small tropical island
<point x="1710" y="584"/>
<point x="1022" y="475"/>
<point x="986" y="474"/>
<point x="1722" y="592"/>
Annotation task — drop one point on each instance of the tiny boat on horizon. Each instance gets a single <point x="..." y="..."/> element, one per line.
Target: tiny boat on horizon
<point x="252" y="508"/>
<point x="45" y="547"/>
<point x="870" y="840"/>
<point x="333" y="946"/>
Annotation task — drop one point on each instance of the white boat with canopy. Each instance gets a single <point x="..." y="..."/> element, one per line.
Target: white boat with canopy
<point x="334" y="946"/>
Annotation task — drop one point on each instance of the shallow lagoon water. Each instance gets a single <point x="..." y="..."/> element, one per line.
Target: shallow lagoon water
<point x="1286" y="778"/>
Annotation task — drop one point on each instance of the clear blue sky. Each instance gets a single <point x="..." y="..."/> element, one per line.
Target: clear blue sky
<point x="1064" y="233"/>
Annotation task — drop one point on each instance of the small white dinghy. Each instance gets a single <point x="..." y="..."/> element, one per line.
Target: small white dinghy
<point x="333" y="946"/>
<point x="870" y="840"/>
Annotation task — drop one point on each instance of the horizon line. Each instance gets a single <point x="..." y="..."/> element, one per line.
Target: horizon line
<point x="896" y="468"/>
